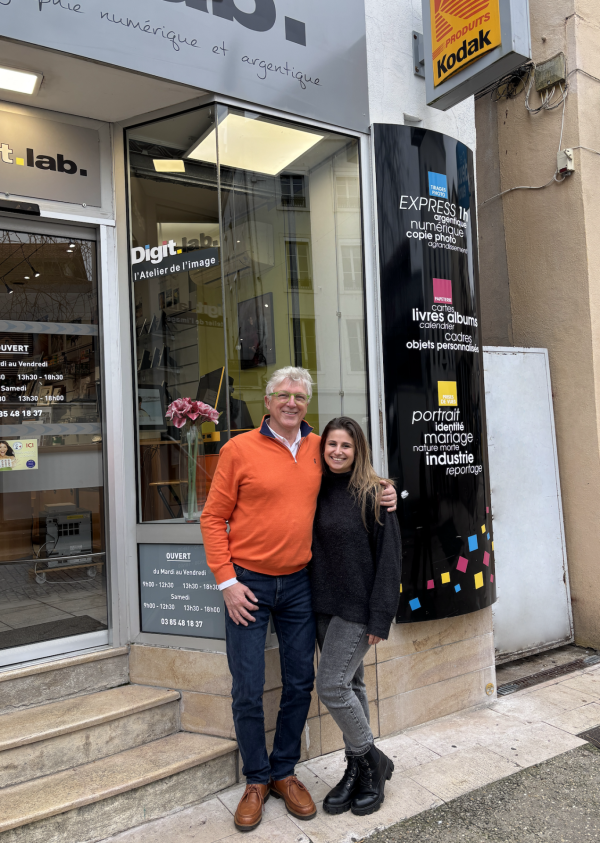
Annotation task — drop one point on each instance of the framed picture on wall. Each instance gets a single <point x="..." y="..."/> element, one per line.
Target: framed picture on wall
<point x="151" y="408"/>
<point x="256" y="326"/>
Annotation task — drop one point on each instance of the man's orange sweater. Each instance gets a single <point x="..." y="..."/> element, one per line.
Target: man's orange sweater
<point x="269" y="499"/>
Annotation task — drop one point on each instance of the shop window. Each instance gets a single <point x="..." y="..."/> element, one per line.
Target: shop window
<point x="52" y="560"/>
<point x="356" y="344"/>
<point x="227" y="287"/>
<point x="293" y="191"/>
<point x="352" y="267"/>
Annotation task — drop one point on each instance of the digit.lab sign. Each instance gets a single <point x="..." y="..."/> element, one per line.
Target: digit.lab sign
<point x="47" y="159"/>
<point x="470" y="44"/>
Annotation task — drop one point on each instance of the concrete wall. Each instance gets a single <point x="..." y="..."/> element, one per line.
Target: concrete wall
<point x="541" y="251"/>
<point x="394" y="90"/>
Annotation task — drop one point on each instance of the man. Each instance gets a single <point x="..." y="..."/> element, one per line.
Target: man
<point x="266" y="487"/>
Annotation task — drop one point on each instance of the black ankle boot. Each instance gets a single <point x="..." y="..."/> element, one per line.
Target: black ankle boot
<point x="339" y="799"/>
<point x="374" y="769"/>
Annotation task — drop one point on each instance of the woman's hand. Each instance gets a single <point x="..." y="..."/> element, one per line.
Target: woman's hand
<point x="374" y="639"/>
<point x="389" y="498"/>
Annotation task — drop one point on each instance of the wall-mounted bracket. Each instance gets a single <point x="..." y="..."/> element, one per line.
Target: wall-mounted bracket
<point x="418" y="54"/>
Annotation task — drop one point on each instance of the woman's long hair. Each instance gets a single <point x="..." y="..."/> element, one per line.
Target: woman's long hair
<point x="9" y="450"/>
<point x="364" y="483"/>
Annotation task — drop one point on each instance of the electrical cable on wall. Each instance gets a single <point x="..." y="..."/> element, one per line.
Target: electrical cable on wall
<point x="524" y="187"/>
<point x="510" y="86"/>
<point x="587" y="149"/>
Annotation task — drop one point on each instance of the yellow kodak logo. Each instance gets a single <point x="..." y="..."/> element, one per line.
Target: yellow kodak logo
<point x="461" y="32"/>
<point x="447" y="395"/>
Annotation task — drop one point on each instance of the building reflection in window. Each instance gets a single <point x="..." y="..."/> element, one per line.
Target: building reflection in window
<point x="278" y="206"/>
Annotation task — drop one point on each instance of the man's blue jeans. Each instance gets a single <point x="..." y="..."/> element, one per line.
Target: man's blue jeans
<point x="288" y="600"/>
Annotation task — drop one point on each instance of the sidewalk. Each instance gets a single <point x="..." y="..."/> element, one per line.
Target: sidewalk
<point x="435" y="763"/>
<point x="557" y="801"/>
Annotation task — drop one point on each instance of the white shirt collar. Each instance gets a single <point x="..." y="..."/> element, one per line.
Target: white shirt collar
<point x="295" y="444"/>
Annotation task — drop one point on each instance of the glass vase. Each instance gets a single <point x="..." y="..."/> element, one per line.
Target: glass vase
<point x="192" y="474"/>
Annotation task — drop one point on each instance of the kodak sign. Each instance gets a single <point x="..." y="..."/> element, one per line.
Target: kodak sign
<point x="462" y="31"/>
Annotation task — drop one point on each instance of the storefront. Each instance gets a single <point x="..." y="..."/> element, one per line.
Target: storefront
<point x="260" y="219"/>
<point x="208" y="217"/>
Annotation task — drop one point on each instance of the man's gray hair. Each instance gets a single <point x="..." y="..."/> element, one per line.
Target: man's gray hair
<point x="291" y="373"/>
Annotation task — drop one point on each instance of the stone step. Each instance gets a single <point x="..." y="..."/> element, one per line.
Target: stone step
<point x="49" y="738"/>
<point x="93" y="801"/>
<point x="58" y="679"/>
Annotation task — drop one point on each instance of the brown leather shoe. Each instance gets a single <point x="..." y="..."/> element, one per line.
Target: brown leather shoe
<point x="298" y="800"/>
<point x="250" y="808"/>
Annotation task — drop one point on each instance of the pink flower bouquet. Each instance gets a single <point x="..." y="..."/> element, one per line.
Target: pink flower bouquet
<point x="184" y="409"/>
<point x="188" y="414"/>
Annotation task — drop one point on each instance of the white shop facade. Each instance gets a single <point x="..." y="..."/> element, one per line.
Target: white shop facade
<point x="187" y="203"/>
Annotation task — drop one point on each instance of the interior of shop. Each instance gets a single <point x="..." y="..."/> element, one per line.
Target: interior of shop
<point x="267" y="215"/>
<point x="52" y="562"/>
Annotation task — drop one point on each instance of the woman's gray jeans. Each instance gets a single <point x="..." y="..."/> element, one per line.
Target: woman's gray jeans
<point x="341" y="679"/>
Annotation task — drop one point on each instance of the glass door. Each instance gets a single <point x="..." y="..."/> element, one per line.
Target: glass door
<point x="52" y="553"/>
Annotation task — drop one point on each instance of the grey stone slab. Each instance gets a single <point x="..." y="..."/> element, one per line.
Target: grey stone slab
<point x="578" y="719"/>
<point x="317" y="788"/>
<point x="535" y="744"/>
<point x="565" y="697"/>
<point x="462" y="731"/>
<point x="72" y="681"/>
<point x="42" y="758"/>
<point x="526" y="708"/>
<point x="453" y="775"/>
<point x="205" y="823"/>
<point x="110" y="816"/>
<point x="280" y="830"/>
<point x="329" y="768"/>
<point x="403" y="798"/>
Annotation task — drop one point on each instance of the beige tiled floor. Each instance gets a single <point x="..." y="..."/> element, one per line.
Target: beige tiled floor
<point x="434" y="763"/>
<point x="54" y="606"/>
<point x="25" y="603"/>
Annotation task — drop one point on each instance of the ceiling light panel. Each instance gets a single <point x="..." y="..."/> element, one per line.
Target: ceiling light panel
<point x="253" y="144"/>
<point x="20" y="81"/>
<point x="169" y="165"/>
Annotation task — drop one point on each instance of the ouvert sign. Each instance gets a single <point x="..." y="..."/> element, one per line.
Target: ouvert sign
<point x="308" y="59"/>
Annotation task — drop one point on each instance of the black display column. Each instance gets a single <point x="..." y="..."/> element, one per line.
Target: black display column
<point x="433" y="371"/>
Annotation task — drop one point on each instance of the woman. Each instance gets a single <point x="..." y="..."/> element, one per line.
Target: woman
<point x="7" y="456"/>
<point x="355" y="578"/>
